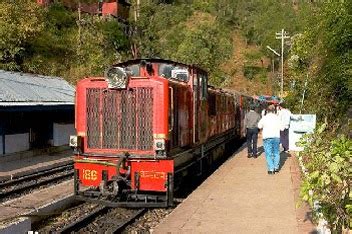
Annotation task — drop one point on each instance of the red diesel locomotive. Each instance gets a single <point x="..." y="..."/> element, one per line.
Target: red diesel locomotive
<point x="146" y="125"/>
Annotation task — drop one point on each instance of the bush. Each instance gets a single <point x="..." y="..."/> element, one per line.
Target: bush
<point x="250" y="72"/>
<point x="327" y="162"/>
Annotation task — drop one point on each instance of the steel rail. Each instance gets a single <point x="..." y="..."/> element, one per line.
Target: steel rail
<point x="89" y="218"/>
<point x="124" y="224"/>
<point x="84" y="221"/>
<point x="34" y="185"/>
<point x="35" y="175"/>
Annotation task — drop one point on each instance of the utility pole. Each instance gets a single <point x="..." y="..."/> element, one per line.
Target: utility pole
<point x="79" y="29"/>
<point x="282" y="36"/>
<point x="136" y="10"/>
<point x="273" y="61"/>
<point x="134" y="30"/>
<point x="304" y="92"/>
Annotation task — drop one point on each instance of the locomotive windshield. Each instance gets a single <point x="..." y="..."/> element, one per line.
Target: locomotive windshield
<point x="134" y="69"/>
<point x="175" y="72"/>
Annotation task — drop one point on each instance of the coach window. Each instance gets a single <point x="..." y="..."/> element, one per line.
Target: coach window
<point x="171" y="109"/>
<point x="203" y="80"/>
<point x="195" y="80"/>
<point x="212" y="104"/>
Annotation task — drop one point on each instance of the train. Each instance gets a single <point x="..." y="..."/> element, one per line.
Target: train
<point x="146" y="127"/>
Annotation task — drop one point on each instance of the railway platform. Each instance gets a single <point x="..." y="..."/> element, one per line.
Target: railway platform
<point x="17" y="215"/>
<point x="23" y="163"/>
<point x="240" y="197"/>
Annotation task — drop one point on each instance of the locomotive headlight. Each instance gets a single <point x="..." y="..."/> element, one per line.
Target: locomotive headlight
<point x="159" y="144"/>
<point x="73" y="141"/>
<point x="117" y="78"/>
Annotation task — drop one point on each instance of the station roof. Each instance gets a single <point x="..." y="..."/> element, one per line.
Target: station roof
<point x="22" y="89"/>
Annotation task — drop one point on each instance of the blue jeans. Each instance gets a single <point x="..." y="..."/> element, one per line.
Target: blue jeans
<point x="272" y="153"/>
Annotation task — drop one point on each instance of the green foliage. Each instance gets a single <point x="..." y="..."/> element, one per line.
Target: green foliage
<point x="250" y="72"/>
<point x="260" y="20"/>
<point x="323" y="53"/>
<point x="154" y="21"/>
<point x="51" y="41"/>
<point x="202" y="42"/>
<point x="48" y="52"/>
<point x="190" y="33"/>
<point x="200" y="31"/>
<point x="224" y="10"/>
<point x="321" y="58"/>
<point x="327" y="160"/>
<point x="102" y="44"/>
<point x="253" y="56"/>
<point x="20" y="21"/>
<point x="114" y="36"/>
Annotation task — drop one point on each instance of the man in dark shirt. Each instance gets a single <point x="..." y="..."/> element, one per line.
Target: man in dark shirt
<point x="251" y="124"/>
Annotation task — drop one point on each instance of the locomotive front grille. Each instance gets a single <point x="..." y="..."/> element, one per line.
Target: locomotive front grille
<point x="120" y="119"/>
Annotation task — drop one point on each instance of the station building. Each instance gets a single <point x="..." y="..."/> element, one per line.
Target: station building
<point x="35" y="112"/>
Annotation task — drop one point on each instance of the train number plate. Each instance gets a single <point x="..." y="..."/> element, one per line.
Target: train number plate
<point x="89" y="174"/>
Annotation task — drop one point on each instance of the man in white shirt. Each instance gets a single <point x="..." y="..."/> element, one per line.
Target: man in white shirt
<point x="285" y="118"/>
<point x="271" y="126"/>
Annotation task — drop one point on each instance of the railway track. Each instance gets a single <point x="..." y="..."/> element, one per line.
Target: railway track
<point x="17" y="186"/>
<point x="104" y="220"/>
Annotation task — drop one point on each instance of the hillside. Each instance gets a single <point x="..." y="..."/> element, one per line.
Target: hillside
<point x="235" y="67"/>
<point x="228" y="38"/>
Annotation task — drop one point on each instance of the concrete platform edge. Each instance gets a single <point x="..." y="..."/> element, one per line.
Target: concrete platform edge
<point x="29" y="171"/>
<point x="32" y="153"/>
<point x="23" y="225"/>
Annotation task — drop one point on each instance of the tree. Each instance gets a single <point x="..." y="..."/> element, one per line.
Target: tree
<point x="20" y="21"/>
<point x="327" y="183"/>
<point x="323" y="54"/>
<point x="184" y="32"/>
<point x="58" y="50"/>
<point x="200" y="40"/>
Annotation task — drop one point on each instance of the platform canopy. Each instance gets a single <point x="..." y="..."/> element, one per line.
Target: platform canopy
<point x="21" y="89"/>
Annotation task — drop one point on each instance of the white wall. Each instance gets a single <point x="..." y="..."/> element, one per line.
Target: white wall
<point x="16" y="143"/>
<point x="300" y="125"/>
<point x="61" y="133"/>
